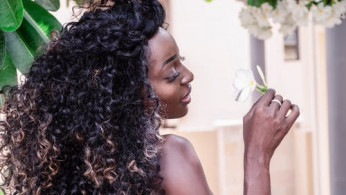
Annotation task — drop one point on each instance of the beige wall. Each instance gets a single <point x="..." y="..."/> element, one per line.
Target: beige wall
<point x="221" y="153"/>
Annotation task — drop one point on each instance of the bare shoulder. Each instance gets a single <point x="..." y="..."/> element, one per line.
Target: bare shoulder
<point x="178" y="144"/>
<point x="181" y="168"/>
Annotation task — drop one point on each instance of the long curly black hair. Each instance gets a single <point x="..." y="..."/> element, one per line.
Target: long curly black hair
<point x="79" y="124"/>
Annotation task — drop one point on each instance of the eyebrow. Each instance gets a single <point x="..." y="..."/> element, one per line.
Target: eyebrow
<point x="169" y="60"/>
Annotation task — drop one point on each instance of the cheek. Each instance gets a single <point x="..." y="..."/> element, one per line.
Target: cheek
<point x="168" y="93"/>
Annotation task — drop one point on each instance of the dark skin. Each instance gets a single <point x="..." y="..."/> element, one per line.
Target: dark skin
<point x="265" y="126"/>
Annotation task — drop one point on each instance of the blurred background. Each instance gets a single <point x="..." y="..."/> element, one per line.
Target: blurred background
<point x="210" y="36"/>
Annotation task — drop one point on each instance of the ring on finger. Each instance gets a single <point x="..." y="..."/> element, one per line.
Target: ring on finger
<point x="277" y="101"/>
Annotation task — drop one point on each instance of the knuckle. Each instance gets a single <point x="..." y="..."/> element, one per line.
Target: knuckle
<point x="270" y="92"/>
<point x="269" y="116"/>
<point x="288" y="102"/>
<point x="277" y="122"/>
<point x="259" y="110"/>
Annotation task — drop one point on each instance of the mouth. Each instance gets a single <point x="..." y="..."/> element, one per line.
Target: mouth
<point x="187" y="98"/>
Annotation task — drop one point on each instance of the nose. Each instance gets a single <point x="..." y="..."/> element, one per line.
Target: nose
<point x="188" y="77"/>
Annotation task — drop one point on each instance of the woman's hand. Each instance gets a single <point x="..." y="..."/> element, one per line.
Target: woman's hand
<point x="265" y="126"/>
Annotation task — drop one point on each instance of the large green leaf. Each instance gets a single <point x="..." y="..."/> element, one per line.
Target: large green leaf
<point x="11" y="14"/>
<point x="51" y="5"/>
<point x="2" y="49"/>
<point x="8" y="74"/>
<point x="40" y="19"/>
<point x="21" y="54"/>
<point x="34" y="33"/>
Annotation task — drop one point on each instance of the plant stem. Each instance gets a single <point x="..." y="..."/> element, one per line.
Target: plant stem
<point x="262" y="89"/>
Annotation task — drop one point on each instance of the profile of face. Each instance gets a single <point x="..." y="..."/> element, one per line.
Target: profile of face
<point x="168" y="76"/>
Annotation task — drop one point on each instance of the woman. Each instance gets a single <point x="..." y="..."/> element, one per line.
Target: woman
<point x="86" y="120"/>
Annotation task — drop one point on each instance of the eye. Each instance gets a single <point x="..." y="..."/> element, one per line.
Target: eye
<point x="182" y="58"/>
<point x="173" y="77"/>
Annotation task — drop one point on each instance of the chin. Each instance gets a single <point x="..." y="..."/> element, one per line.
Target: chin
<point x="179" y="114"/>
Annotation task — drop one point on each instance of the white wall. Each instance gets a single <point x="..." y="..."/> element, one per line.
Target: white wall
<point x="215" y="45"/>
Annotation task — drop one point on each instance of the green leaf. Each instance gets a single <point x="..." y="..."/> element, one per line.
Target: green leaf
<point x="251" y="2"/>
<point x="258" y="3"/>
<point x="2" y="49"/>
<point x="11" y="14"/>
<point x="273" y="3"/>
<point x="78" y="2"/>
<point x="40" y="19"/>
<point x="51" y="5"/>
<point x="23" y="44"/>
<point x="310" y="4"/>
<point x="21" y="54"/>
<point x="8" y="74"/>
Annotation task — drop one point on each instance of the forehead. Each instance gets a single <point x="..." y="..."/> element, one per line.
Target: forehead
<point x="161" y="47"/>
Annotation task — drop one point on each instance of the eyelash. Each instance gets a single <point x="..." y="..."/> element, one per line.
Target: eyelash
<point x="177" y="74"/>
<point x="173" y="77"/>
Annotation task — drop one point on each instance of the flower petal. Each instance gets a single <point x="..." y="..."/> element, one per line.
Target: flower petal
<point x="239" y="84"/>
<point x="260" y="72"/>
<point x="245" y="74"/>
<point x="244" y="94"/>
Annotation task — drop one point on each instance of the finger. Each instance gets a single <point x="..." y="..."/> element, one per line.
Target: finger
<point x="266" y="98"/>
<point x="292" y="117"/>
<point x="275" y="104"/>
<point x="285" y="107"/>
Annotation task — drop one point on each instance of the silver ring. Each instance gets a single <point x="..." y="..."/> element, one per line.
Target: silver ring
<point x="277" y="101"/>
<point x="189" y="85"/>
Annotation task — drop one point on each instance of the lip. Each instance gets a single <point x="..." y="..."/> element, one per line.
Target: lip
<point x="187" y="98"/>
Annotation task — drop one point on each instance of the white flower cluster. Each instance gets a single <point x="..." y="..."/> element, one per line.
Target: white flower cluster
<point x="290" y="14"/>
<point x="329" y="16"/>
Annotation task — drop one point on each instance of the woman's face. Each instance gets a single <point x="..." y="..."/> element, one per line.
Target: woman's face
<point x="168" y="76"/>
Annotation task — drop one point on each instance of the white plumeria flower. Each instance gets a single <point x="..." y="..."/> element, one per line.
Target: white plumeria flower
<point x="290" y="14"/>
<point x="262" y="33"/>
<point x="339" y="8"/>
<point x="267" y="9"/>
<point x="246" y="18"/>
<point x="244" y="84"/>
<point x="299" y="13"/>
<point x="332" y="21"/>
<point x="261" y="18"/>
<point x="288" y="27"/>
<point x="280" y="13"/>
<point x="329" y="16"/>
<point x="253" y="19"/>
<point x="321" y="13"/>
